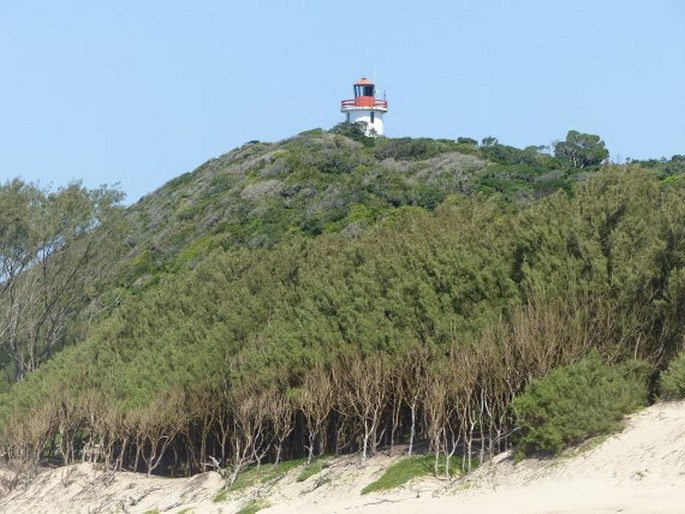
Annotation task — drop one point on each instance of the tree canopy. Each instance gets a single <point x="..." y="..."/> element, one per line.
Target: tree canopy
<point x="581" y="150"/>
<point x="47" y="259"/>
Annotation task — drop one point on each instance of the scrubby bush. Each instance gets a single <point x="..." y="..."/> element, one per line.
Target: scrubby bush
<point x="355" y="131"/>
<point x="673" y="379"/>
<point x="576" y="402"/>
<point x="407" y="148"/>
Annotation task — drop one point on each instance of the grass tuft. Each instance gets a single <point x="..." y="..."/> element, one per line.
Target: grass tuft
<point x="253" y="506"/>
<point x="264" y="473"/>
<point x="220" y="496"/>
<point x="254" y="475"/>
<point x="408" y="468"/>
<point x="314" y="468"/>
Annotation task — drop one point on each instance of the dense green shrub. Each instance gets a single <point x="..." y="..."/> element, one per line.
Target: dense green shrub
<point x="673" y="379"/>
<point x="576" y="402"/>
<point x="407" y="148"/>
<point x="355" y="131"/>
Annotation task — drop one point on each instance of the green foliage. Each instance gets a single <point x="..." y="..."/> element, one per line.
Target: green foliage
<point x="221" y="496"/>
<point x="51" y="246"/>
<point x="519" y="173"/>
<point x="672" y="382"/>
<point x="261" y="194"/>
<point x="407" y="148"/>
<point x="253" y="506"/>
<point x="264" y="473"/>
<point x="195" y="251"/>
<point x="581" y="150"/>
<point x="576" y="402"/>
<point x="355" y="131"/>
<point x="673" y="168"/>
<point x="181" y="180"/>
<point x="283" y="467"/>
<point x="467" y="141"/>
<point x="313" y="468"/>
<point x="409" y="468"/>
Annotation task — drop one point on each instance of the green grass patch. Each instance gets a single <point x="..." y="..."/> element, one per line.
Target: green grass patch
<point x="314" y="468"/>
<point x="286" y="466"/>
<point x="220" y="496"/>
<point x="411" y="467"/>
<point x="264" y="473"/>
<point x="195" y="250"/>
<point x="253" y="506"/>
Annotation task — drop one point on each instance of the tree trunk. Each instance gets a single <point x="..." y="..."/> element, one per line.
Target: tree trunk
<point x="412" y="433"/>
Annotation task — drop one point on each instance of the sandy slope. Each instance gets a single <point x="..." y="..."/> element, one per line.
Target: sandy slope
<point x="638" y="471"/>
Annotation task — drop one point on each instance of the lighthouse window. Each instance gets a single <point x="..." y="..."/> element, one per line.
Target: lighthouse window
<point x="373" y="117"/>
<point x="368" y="90"/>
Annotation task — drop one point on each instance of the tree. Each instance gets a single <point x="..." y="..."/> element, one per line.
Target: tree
<point x="282" y="410"/>
<point x="315" y="401"/>
<point x="249" y="435"/>
<point x="467" y="141"/>
<point x="437" y="409"/>
<point x="358" y="131"/>
<point x="363" y="382"/>
<point x="157" y="426"/>
<point x="581" y="150"/>
<point x="48" y="249"/>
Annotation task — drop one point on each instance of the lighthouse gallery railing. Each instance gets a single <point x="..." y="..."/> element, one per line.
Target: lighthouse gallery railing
<point x="364" y="101"/>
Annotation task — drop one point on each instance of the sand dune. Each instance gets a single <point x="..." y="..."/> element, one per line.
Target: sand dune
<point x="641" y="470"/>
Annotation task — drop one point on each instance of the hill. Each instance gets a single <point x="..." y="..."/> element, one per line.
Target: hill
<point x="332" y="293"/>
<point x="321" y="182"/>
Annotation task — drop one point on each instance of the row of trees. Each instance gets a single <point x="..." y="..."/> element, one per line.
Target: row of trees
<point x="422" y="329"/>
<point x="458" y="401"/>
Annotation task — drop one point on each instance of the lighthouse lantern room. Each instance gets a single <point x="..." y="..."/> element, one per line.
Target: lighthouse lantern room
<point x="365" y="107"/>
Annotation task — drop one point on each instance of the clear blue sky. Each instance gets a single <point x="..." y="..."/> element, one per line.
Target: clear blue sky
<point x="138" y="92"/>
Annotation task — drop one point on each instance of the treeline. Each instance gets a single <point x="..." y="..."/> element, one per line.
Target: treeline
<point x="424" y="328"/>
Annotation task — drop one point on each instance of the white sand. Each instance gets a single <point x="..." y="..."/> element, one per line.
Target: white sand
<point x="641" y="470"/>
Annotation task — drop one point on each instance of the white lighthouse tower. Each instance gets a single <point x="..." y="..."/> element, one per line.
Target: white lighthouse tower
<point x="365" y="107"/>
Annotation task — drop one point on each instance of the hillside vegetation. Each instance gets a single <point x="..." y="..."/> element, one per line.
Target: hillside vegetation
<point x="332" y="293"/>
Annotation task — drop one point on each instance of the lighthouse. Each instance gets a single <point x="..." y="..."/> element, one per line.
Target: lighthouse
<point x="365" y="107"/>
